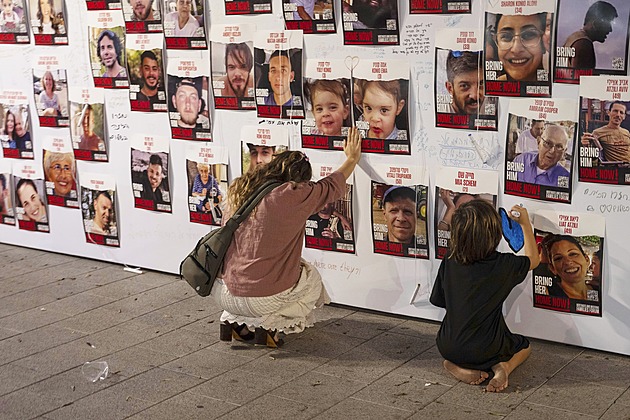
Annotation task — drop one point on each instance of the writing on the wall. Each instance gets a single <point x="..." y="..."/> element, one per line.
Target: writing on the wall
<point x="607" y="202"/>
<point x="415" y="40"/>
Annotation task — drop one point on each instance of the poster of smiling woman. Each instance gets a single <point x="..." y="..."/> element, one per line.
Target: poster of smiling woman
<point x="31" y="208"/>
<point x="60" y="172"/>
<point x="50" y="87"/>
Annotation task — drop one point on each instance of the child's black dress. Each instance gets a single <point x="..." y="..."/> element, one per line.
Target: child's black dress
<point x="473" y="334"/>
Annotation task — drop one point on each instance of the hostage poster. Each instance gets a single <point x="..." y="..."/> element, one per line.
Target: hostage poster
<point x="206" y="168"/>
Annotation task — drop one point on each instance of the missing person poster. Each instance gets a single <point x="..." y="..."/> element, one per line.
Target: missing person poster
<point x="106" y="38"/>
<point x="146" y="75"/>
<point x="48" y="22"/>
<point x="142" y="16"/>
<point x="591" y="39"/>
<point x="437" y="7"/>
<point x="328" y="112"/>
<point x="604" y="145"/>
<point x="247" y="7"/>
<point x="542" y="167"/>
<point x="233" y="66"/>
<point x="518" y="48"/>
<point x="279" y="75"/>
<point x="332" y="227"/>
<point x="312" y="17"/>
<point x="87" y="124"/>
<point x="188" y="96"/>
<point x="260" y="143"/>
<point x="380" y="105"/>
<point x="184" y="25"/>
<point x="454" y="187"/>
<point x="13" y="28"/>
<point x="60" y="172"/>
<point x="104" y="4"/>
<point x="206" y="168"/>
<point x="98" y="205"/>
<point x="7" y="197"/>
<point x="50" y="87"/>
<point x="31" y="209"/>
<point x="399" y="211"/>
<point x="569" y="277"/>
<point x="149" y="173"/>
<point x="460" y="100"/>
<point x="370" y="22"/>
<point x="17" y="126"/>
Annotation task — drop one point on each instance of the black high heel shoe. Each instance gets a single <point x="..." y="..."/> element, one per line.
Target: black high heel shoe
<point x="228" y="331"/>
<point x="268" y="338"/>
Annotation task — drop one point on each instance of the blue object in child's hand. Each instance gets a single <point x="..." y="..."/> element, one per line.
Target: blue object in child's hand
<point x="512" y="231"/>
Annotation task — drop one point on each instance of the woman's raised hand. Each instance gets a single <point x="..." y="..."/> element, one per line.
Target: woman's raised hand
<point x="352" y="145"/>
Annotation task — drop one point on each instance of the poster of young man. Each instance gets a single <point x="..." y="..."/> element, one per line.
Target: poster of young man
<point x="31" y="209"/>
<point x="103" y="4"/>
<point x="247" y="7"/>
<point x="260" y="142"/>
<point x="48" y="22"/>
<point x="604" y="145"/>
<point x="149" y="173"/>
<point x="188" y="97"/>
<point x="184" y="25"/>
<point x="399" y="211"/>
<point x="518" y="48"/>
<point x="142" y="16"/>
<point x="332" y="227"/>
<point x="328" y="112"/>
<point x="454" y="187"/>
<point x="87" y="124"/>
<point x="569" y="277"/>
<point x="13" y="29"/>
<point x="50" y="86"/>
<point x="312" y="17"/>
<point x="98" y="205"/>
<point x="380" y="98"/>
<point x="591" y="39"/>
<point x="233" y="66"/>
<point x="60" y="172"/>
<point x="439" y="7"/>
<point x="16" y="125"/>
<point x="206" y="167"/>
<point x="543" y="170"/>
<point x="279" y="74"/>
<point x="146" y="75"/>
<point x="106" y="37"/>
<point x="370" y="22"/>
<point x="460" y="100"/>
<point x="7" y="212"/>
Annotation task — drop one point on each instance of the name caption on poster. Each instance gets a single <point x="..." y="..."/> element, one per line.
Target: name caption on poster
<point x="617" y="87"/>
<point x="519" y="4"/>
<point x="466" y="38"/>
<point x="344" y="268"/>
<point x="398" y="174"/>
<point x="465" y="179"/>
<point x="543" y="107"/>
<point x="568" y="223"/>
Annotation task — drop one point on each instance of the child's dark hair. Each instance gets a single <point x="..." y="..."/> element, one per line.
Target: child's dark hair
<point x="475" y="232"/>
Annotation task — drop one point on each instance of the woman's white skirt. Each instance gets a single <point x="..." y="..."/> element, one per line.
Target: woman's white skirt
<point x="290" y="311"/>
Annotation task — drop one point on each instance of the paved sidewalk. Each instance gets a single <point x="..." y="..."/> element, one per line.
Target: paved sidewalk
<point x="161" y="343"/>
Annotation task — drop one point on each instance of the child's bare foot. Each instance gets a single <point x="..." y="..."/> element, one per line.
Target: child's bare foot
<point x="470" y="376"/>
<point x="500" y="380"/>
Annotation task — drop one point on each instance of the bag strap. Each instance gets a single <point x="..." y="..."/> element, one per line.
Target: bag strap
<point x="253" y="200"/>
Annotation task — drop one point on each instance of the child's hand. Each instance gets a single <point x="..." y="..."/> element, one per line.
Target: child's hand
<point x="519" y="214"/>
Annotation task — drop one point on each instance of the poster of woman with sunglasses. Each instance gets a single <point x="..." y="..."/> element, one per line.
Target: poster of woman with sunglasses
<point x="542" y="168"/>
<point x="517" y="49"/>
<point x="460" y="96"/>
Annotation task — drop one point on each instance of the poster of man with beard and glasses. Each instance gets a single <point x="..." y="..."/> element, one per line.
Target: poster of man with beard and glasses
<point x="328" y="105"/>
<point x="206" y="167"/>
<point x="189" y="113"/>
<point x="98" y="206"/>
<point x="604" y="147"/>
<point x="60" y="172"/>
<point x="460" y="100"/>
<point x="591" y="39"/>
<point x="87" y="124"/>
<point x="149" y="173"/>
<point x="543" y="169"/>
<point x="31" y="208"/>
<point x="233" y="66"/>
<point x="142" y="16"/>
<point x="518" y="48"/>
<point x="146" y="76"/>
<point x="569" y="277"/>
